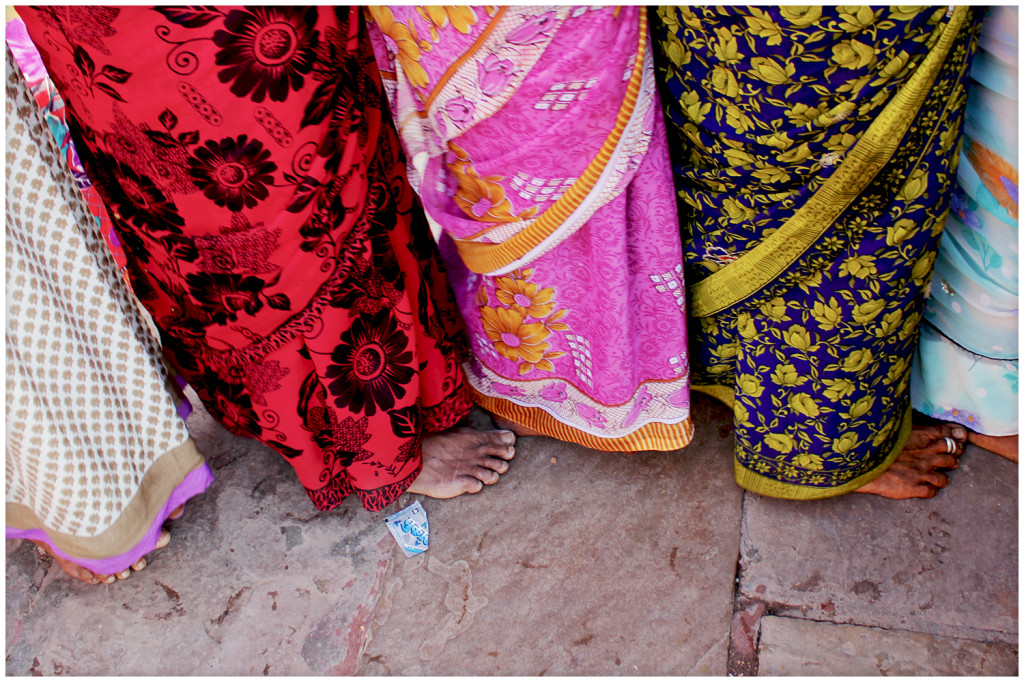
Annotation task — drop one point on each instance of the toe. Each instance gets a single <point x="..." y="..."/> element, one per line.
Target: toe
<point x="473" y="485"/>
<point x="107" y="579"/>
<point x="164" y="539"/>
<point x="488" y="476"/>
<point x="937" y="479"/>
<point x="499" y="451"/>
<point x="493" y="463"/>
<point x="139" y="565"/>
<point x="503" y="436"/>
<point x="926" y="491"/>
<point x="123" y="574"/>
<point x="497" y="437"/>
<point x="932" y="437"/>
<point x="956" y="432"/>
<point x="944" y="445"/>
<point x="945" y="462"/>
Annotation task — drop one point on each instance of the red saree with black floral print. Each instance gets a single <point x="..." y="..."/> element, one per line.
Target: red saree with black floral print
<point x="254" y="177"/>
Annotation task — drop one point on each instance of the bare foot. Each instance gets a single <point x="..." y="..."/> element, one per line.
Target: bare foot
<point x="462" y="461"/>
<point x="85" y="575"/>
<point x="1001" y="445"/>
<point x="512" y="426"/>
<point x="915" y="473"/>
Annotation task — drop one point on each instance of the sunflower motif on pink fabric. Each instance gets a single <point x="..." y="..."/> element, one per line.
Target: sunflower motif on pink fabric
<point x="519" y="331"/>
<point x="513" y="337"/>
<point x="440" y="16"/>
<point x="410" y="47"/>
<point x="482" y="198"/>
<point x="526" y="298"/>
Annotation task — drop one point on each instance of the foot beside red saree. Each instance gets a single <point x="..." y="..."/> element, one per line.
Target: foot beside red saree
<point x="256" y="182"/>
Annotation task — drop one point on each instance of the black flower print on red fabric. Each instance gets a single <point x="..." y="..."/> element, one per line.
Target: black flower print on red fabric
<point x="231" y="404"/>
<point x="371" y="364"/>
<point x="407" y="423"/>
<point x="135" y="146"/>
<point x="265" y="378"/>
<point x="136" y="198"/>
<point x="222" y="296"/>
<point x="365" y="293"/>
<point x="103" y="79"/>
<point x="340" y="98"/>
<point x="267" y="50"/>
<point x="141" y="286"/>
<point x="342" y="443"/>
<point x="349" y="438"/>
<point x="81" y="24"/>
<point x="190" y="17"/>
<point x="234" y="172"/>
<point x="382" y="250"/>
<point x="239" y="252"/>
<point x="378" y="281"/>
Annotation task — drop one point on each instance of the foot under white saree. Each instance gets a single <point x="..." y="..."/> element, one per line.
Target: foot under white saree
<point x="96" y="455"/>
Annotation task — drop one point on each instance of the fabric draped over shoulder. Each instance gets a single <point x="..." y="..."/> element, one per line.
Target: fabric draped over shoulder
<point x="814" y="150"/>
<point x="538" y="148"/>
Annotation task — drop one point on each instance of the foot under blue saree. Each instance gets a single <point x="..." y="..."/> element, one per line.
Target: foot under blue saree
<point x="967" y="364"/>
<point x="814" y="151"/>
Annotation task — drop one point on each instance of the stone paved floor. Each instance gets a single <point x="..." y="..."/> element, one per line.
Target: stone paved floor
<point x="578" y="562"/>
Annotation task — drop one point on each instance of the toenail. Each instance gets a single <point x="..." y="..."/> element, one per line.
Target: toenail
<point x="109" y="579"/>
<point x="124" y="574"/>
<point x="164" y="539"/>
<point x="508" y="437"/>
<point x="959" y="433"/>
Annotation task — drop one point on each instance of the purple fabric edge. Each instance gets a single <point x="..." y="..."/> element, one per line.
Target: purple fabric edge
<point x="196" y="482"/>
<point x="184" y="407"/>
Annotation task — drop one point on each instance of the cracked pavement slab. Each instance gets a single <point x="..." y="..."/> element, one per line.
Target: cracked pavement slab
<point x="577" y="563"/>
<point x="255" y="581"/>
<point x="945" y="566"/>
<point x="791" y="646"/>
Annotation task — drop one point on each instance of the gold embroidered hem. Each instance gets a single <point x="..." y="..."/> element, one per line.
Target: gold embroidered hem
<point x="769" y="487"/>
<point x="653" y="436"/>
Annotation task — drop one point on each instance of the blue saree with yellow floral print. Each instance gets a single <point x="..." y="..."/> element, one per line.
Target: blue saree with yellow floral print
<point x="814" y="150"/>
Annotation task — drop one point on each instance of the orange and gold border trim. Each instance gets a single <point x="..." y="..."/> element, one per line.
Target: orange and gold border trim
<point x="659" y="437"/>
<point x="469" y="53"/>
<point x="484" y="258"/>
